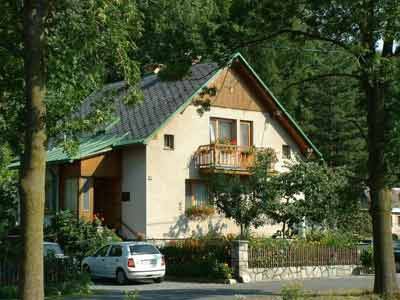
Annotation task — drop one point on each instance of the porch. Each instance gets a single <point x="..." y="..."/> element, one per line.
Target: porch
<point x="91" y="188"/>
<point x="224" y="158"/>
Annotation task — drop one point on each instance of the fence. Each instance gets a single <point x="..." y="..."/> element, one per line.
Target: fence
<point x="293" y="255"/>
<point x="55" y="271"/>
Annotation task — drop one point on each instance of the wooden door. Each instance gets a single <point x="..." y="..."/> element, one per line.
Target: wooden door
<point x="107" y="200"/>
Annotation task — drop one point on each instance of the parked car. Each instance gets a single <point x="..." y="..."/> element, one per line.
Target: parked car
<point x="125" y="261"/>
<point x="50" y="248"/>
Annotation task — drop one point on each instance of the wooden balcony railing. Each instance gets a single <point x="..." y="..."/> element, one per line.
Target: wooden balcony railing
<point x="223" y="157"/>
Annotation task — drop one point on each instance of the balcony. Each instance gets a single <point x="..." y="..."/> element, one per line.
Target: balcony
<point x="224" y="158"/>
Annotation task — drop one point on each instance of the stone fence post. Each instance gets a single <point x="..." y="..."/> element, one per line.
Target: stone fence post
<point x="240" y="260"/>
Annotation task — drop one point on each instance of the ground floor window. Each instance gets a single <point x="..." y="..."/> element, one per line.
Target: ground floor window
<point x="71" y="195"/>
<point x="197" y="194"/>
<point x="51" y="192"/>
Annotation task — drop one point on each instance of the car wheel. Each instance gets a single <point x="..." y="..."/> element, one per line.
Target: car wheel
<point x="120" y="277"/>
<point x="158" y="280"/>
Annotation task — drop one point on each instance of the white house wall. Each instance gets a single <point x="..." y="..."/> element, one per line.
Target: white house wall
<point x="134" y="211"/>
<point x="167" y="170"/>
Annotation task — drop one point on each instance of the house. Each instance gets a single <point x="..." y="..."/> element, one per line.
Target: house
<point x="142" y="171"/>
<point x="395" y="217"/>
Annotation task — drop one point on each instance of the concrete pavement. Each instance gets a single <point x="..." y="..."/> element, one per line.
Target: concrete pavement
<point x="211" y="291"/>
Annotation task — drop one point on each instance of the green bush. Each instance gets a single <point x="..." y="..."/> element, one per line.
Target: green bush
<point x="77" y="237"/>
<point x="8" y="292"/>
<point x="332" y="238"/>
<point x="77" y="284"/>
<point x="292" y="292"/>
<point x="367" y="259"/>
<point x="200" y="258"/>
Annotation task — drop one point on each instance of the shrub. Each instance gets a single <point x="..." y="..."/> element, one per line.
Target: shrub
<point x="367" y="259"/>
<point x="8" y="292"/>
<point x="332" y="238"/>
<point x="199" y="212"/>
<point x="79" y="238"/>
<point x="201" y="258"/>
<point x="292" y="292"/>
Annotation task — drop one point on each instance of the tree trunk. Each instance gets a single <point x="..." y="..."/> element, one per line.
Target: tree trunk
<point x="32" y="175"/>
<point x="381" y="199"/>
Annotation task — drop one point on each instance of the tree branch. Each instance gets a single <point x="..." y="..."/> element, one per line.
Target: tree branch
<point x="321" y="76"/>
<point x="11" y="49"/>
<point x="313" y="36"/>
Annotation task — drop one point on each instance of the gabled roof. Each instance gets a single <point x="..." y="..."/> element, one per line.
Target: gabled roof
<point x="161" y="100"/>
<point x="136" y="124"/>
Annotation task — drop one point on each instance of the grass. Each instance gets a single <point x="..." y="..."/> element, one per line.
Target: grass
<point x="296" y="292"/>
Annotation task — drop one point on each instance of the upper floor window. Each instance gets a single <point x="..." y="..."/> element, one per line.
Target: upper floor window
<point x="286" y="152"/>
<point x="246" y="133"/>
<point x="223" y="131"/>
<point x="169" y="141"/>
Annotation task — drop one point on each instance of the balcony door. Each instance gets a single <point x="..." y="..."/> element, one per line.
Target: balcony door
<point x="223" y="131"/>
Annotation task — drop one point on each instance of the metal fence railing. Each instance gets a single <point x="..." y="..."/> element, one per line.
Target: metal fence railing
<point x="55" y="271"/>
<point x="301" y="255"/>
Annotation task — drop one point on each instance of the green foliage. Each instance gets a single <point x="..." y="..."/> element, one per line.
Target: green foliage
<point x="88" y="43"/>
<point x="241" y="199"/>
<point x="309" y="191"/>
<point x="367" y="259"/>
<point x="292" y="292"/>
<point x="8" y="292"/>
<point x="131" y="295"/>
<point x="8" y="195"/>
<point x="77" y="237"/>
<point x="332" y="238"/>
<point x="198" y="258"/>
<point x="74" y="281"/>
<point x="199" y="212"/>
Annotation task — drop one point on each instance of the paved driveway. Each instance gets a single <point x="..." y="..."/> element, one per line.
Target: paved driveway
<point x="200" y="291"/>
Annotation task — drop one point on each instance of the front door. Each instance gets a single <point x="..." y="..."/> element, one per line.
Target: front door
<point x="107" y="200"/>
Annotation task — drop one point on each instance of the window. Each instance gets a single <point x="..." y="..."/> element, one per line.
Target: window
<point x="86" y="194"/>
<point x="115" y="251"/>
<point x="223" y="131"/>
<point x="143" y="249"/>
<point x="196" y="193"/>
<point x="398" y="221"/>
<point x="102" y="251"/>
<point x="53" y="249"/>
<point x="51" y="192"/>
<point x="168" y="141"/>
<point x="246" y="136"/>
<point x="286" y="152"/>
<point x="71" y="195"/>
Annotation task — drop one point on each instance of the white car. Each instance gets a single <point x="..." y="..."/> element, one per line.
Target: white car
<point x="50" y="248"/>
<point x="126" y="261"/>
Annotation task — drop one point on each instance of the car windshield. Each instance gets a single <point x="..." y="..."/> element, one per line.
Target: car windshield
<point x="143" y="249"/>
<point x="53" y="249"/>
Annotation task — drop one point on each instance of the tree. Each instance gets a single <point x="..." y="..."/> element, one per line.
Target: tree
<point x="243" y="198"/>
<point x="355" y="29"/>
<point x="308" y="192"/>
<point x="8" y="195"/>
<point x="52" y="57"/>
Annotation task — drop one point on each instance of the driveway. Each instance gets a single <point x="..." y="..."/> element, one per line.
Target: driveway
<point x="211" y="291"/>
